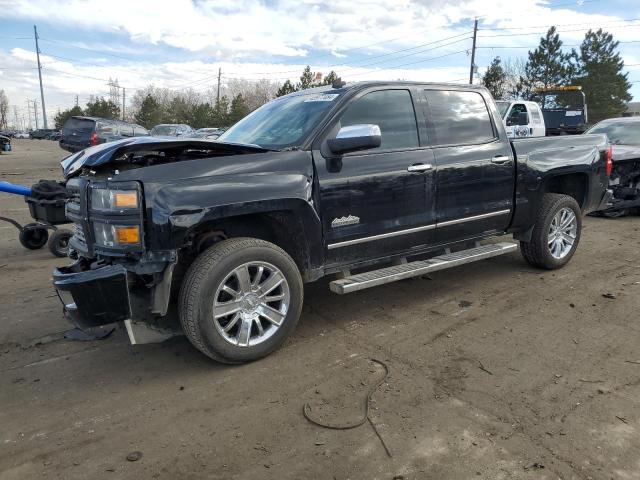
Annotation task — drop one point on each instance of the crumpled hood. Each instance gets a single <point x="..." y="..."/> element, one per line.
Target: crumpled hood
<point x="106" y="152"/>
<point x="623" y="153"/>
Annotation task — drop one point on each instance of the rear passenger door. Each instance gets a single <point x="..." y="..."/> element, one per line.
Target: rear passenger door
<point x="475" y="168"/>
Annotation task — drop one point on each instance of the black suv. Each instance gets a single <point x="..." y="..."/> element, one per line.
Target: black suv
<point x="42" y="133"/>
<point x="79" y="133"/>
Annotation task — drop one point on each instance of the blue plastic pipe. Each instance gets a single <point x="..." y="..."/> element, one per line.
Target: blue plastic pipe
<point x="15" y="189"/>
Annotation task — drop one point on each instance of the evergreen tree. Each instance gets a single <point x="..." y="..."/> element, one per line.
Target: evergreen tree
<point x="202" y="115"/>
<point x="547" y="66"/>
<point x="61" y="118"/>
<point x="495" y="79"/>
<point x="150" y="113"/>
<point x="221" y="112"/>
<point x="307" y="79"/>
<point x="286" y="88"/>
<point x="600" y="74"/>
<point x="238" y="110"/>
<point x="330" y="78"/>
<point x="99" y="107"/>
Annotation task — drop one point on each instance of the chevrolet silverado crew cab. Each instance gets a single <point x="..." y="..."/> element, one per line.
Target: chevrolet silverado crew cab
<point x="369" y="182"/>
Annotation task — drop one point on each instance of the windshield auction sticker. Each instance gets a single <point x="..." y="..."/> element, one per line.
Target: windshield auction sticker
<point x="322" y="97"/>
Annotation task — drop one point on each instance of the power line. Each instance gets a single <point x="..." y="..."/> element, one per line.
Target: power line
<point x="407" y="64"/>
<point x="349" y="65"/>
<point x="543" y="33"/>
<point x="560" y="25"/>
<point x="63" y="44"/>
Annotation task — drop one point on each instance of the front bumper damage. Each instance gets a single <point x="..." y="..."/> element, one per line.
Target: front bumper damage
<point x="93" y="295"/>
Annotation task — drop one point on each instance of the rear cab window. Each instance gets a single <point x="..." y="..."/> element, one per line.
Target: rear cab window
<point x="392" y="111"/>
<point x="458" y="118"/>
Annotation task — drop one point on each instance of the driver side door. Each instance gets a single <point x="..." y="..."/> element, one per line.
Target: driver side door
<point x="379" y="201"/>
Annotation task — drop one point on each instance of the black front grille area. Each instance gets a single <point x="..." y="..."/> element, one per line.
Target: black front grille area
<point x="76" y="211"/>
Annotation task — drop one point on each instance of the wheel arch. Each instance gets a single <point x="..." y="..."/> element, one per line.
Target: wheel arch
<point x="575" y="185"/>
<point x="294" y="226"/>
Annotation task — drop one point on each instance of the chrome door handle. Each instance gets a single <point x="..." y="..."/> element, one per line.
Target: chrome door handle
<point x="500" y="159"/>
<point x="421" y="167"/>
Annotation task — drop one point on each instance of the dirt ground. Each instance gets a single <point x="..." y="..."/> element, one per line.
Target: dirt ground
<point x="496" y="371"/>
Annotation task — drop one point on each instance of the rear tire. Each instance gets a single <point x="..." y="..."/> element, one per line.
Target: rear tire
<point x="552" y="242"/>
<point x="228" y="306"/>
<point x="33" y="236"/>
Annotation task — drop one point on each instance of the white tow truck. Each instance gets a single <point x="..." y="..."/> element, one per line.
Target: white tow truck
<point x="522" y="118"/>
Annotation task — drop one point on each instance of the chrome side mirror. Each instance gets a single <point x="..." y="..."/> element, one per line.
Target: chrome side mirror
<point x="353" y="138"/>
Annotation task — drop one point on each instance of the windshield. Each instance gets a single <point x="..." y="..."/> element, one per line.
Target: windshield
<point x="619" y="133"/>
<point x="165" y="130"/>
<point x="503" y="107"/>
<point x="283" y="122"/>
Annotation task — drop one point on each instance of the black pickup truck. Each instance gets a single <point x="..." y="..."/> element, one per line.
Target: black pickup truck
<point x="372" y="182"/>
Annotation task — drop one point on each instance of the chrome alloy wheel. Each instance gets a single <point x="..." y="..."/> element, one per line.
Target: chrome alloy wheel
<point x="562" y="233"/>
<point x="251" y="303"/>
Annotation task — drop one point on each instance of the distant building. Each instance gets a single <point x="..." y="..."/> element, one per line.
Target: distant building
<point x="633" y="110"/>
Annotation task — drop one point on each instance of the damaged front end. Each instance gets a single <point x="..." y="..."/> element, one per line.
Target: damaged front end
<point x="114" y="278"/>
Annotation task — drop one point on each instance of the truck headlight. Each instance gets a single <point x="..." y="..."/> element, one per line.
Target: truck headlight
<point x="114" y="200"/>
<point x="111" y="235"/>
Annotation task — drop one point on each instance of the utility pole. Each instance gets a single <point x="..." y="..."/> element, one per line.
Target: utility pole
<point x="35" y="112"/>
<point x="218" y="94"/>
<point x="44" y="112"/>
<point x="76" y="100"/>
<point x="15" y="116"/>
<point x="473" y="52"/>
<point x="123" y="97"/>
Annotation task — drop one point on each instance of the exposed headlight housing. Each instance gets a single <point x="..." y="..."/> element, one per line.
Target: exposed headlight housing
<point x="114" y="200"/>
<point x="113" y="235"/>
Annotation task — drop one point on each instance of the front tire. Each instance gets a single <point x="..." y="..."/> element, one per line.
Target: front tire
<point x="240" y="299"/>
<point x="556" y="232"/>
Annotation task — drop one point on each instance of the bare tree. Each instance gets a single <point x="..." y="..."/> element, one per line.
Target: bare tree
<point x="4" y="109"/>
<point x="515" y="71"/>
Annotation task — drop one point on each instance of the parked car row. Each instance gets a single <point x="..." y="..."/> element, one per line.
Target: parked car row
<point x="81" y="132"/>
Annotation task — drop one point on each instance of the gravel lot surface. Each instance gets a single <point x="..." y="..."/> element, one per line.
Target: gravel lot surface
<point x="496" y="371"/>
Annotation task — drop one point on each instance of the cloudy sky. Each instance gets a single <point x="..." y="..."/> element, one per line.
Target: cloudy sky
<point x="181" y="43"/>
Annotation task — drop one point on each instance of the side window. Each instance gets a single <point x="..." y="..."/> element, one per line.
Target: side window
<point x="106" y="129"/>
<point x="139" y="131"/>
<point x="459" y="118"/>
<point x="516" y="110"/>
<point x="535" y="115"/>
<point x="392" y="111"/>
<point x="126" y="130"/>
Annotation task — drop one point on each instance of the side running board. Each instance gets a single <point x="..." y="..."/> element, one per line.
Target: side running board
<point x="374" y="278"/>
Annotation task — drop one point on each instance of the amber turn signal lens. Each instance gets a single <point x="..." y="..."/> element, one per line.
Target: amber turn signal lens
<point x="127" y="235"/>
<point x="126" y="200"/>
